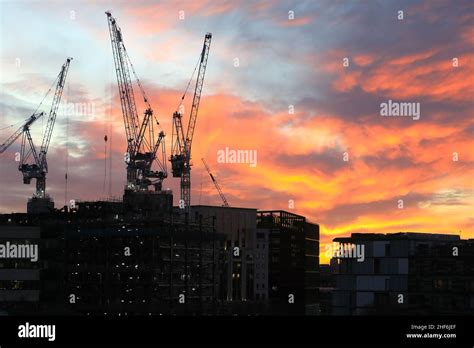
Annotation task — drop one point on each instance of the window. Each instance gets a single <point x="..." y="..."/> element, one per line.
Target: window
<point x="439" y="284"/>
<point x="381" y="299"/>
<point x="376" y="266"/>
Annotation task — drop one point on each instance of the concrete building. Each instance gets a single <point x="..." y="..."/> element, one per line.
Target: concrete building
<point x="326" y="288"/>
<point x="404" y="273"/>
<point x="141" y="268"/>
<point x="19" y="277"/>
<point x="104" y="258"/>
<point x="94" y="260"/>
<point x="31" y="285"/>
<point x="239" y="227"/>
<point x="262" y="265"/>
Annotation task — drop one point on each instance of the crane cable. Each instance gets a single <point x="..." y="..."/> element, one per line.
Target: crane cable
<point x="49" y="90"/>
<point x="189" y="83"/>
<point x="105" y="165"/>
<point x="66" y="158"/>
<point x="14" y="124"/>
<point x="145" y="98"/>
<point x="26" y="119"/>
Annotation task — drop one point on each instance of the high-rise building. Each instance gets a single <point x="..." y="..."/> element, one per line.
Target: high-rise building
<point x="287" y="267"/>
<point x="238" y="225"/>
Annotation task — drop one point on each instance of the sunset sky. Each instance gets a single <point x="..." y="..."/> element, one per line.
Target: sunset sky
<point x="283" y="63"/>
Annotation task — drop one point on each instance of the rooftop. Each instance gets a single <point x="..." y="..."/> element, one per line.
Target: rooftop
<point x="398" y="236"/>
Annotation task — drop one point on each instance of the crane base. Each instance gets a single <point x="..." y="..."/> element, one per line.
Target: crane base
<point x="37" y="205"/>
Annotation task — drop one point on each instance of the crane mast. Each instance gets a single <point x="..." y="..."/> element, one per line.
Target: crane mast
<point x="216" y="184"/>
<point x="181" y="146"/>
<point x="32" y="172"/>
<point x="142" y="147"/>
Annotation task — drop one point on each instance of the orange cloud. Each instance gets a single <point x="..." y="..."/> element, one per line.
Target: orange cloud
<point x="363" y="59"/>
<point x="409" y="76"/>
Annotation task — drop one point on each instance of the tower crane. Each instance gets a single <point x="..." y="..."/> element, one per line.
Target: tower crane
<point x="142" y="142"/>
<point x="216" y="184"/>
<point x="38" y="169"/>
<point x="181" y="145"/>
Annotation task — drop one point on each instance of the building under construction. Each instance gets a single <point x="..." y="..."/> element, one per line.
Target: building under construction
<point x="94" y="260"/>
<point x="97" y="259"/>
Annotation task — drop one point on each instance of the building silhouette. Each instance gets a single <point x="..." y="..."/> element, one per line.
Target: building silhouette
<point x="114" y="258"/>
<point x="405" y="274"/>
<point x="288" y="264"/>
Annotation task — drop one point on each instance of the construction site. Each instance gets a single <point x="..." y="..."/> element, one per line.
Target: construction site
<point x="218" y="171"/>
<point x="140" y="255"/>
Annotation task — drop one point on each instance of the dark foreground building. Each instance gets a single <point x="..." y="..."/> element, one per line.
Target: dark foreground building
<point x="405" y="274"/>
<point x="19" y="277"/>
<point x="238" y="225"/>
<point x="97" y="260"/>
<point x="138" y="256"/>
<point x="287" y="264"/>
